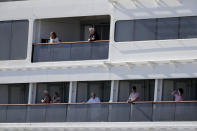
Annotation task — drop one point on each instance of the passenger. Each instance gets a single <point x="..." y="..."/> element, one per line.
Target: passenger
<point x="46" y="98"/>
<point x="93" y="98"/>
<point x="178" y="94"/>
<point x="134" y="96"/>
<point x="56" y="98"/>
<point x="53" y="38"/>
<point x="93" y="36"/>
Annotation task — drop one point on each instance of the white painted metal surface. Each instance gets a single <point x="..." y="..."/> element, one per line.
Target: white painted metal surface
<point x="101" y="126"/>
<point x="114" y="91"/>
<point x="158" y="90"/>
<point x="155" y="59"/>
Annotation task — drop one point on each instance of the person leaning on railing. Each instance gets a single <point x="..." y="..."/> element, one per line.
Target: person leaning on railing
<point x="93" y="36"/>
<point x="56" y="98"/>
<point x="178" y="94"/>
<point x="53" y="38"/>
<point x="134" y="96"/>
<point x="94" y="98"/>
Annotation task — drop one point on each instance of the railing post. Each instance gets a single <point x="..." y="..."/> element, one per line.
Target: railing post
<point x="158" y="89"/>
<point x="114" y="91"/>
<point x="32" y="93"/>
<point x="157" y="96"/>
<point x="72" y="92"/>
<point x="30" y="40"/>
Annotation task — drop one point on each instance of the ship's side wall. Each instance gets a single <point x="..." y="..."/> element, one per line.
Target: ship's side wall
<point x="154" y="59"/>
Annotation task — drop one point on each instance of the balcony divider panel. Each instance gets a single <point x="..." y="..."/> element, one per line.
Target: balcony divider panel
<point x="119" y="112"/>
<point x="36" y="113"/>
<point x="186" y="112"/>
<point x="19" y="113"/>
<point x="97" y="112"/>
<point x="164" y="112"/>
<point x="55" y="113"/>
<point x="3" y="110"/>
<point x="77" y="113"/>
<point x="141" y="112"/>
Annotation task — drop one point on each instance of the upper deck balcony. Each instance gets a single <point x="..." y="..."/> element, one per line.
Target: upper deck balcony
<point x="73" y="34"/>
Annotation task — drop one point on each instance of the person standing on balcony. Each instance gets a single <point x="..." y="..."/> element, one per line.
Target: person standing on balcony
<point x="178" y="94"/>
<point x="46" y="98"/>
<point x="134" y="96"/>
<point x="94" y="98"/>
<point x="93" y="36"/>
<point x="53" y="38"/>
<point x="56" y="98"/>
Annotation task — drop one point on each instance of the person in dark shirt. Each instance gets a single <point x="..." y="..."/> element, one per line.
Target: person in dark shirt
<point x="93" y="35"/>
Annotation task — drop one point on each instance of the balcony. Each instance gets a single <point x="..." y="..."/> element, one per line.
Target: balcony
<point x="73" y="33"/>
<point x="71" y="51"/>
<point x="100" y="112"/>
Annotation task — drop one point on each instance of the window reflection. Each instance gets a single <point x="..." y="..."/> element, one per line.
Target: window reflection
<point x="188" y="27"/>
<point x="167" y="28"/>
<point x="156" y="29"/>
<point x="145" y="29"/>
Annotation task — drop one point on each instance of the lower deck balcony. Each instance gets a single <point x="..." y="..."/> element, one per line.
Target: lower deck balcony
<point x="100" y="112"/>
<point x="71" y="51"/>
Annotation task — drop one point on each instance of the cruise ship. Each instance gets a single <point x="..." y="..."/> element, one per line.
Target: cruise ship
<point x="147" y="44"/>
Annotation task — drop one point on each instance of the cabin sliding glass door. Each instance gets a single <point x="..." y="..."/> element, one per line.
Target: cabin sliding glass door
<point x="14" y="94"/>
<point x="145" y="88"/>
<point x="100" y="88"/>
<point x="189" y="87"/>
<point x="61" y="88"/>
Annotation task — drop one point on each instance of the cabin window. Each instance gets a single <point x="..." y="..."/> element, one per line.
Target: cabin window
<point x="61" y="88"/>
<point x="124" y="31"/>
<point x="100" y="88"/>
<point x="156" y="29"/>
<point x="14" y="94"/>
<point x="145" y="29"/>
<point x="167" y="28"/>
<point x="189" y="87"/>
<point x="188" y="27"/>
<point x="14" y="40"/>
<point x="145" y="88"/>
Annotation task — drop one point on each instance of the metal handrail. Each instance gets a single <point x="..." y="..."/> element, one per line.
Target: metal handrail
<point x="74" y="42"/>
<point x="84" y="103"/>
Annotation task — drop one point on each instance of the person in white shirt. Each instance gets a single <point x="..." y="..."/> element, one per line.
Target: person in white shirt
<point x="134" y="96"/>
<point x="53" y="38"/>
<point x="93" y="98"/>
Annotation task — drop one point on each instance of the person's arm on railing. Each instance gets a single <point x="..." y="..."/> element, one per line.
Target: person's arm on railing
<point x="133" y="97"/>
<point x="133" y="100"/>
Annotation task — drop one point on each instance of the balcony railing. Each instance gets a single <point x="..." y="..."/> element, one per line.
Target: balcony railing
<point x="100" y="112"/>
<point x="71" y="51"/>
